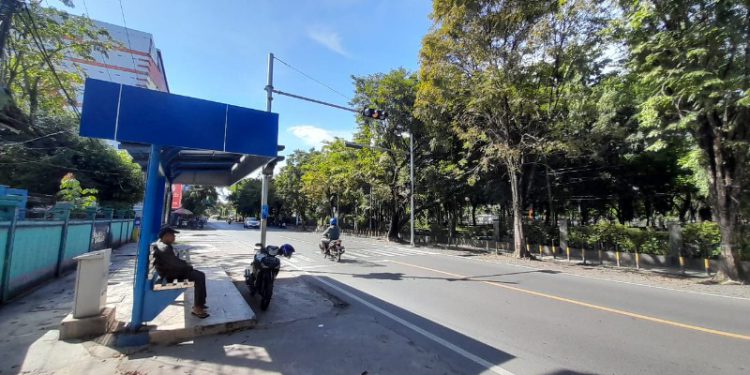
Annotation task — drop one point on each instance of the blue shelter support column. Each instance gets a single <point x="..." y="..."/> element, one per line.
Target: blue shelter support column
<point x="159" y="213"/>
<point x="152" y="207"/>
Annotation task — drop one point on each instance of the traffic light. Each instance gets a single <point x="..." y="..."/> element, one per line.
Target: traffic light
<point x="375" y="114"/>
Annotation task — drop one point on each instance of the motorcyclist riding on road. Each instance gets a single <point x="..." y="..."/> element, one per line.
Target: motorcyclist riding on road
<point x="332" y="233"/>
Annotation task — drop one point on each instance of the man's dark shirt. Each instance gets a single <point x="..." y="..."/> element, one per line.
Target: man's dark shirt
<point x="332" y="233"/>
<point x="167" y="263"/>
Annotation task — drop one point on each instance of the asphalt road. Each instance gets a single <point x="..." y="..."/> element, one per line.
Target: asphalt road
<point x="487" y="318"/>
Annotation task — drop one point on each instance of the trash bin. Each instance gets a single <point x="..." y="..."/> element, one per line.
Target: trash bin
<point x="91" y="283"/>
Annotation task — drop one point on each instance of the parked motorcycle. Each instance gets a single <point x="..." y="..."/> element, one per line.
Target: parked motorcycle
<point x="260" y="276"/>
<point x="335" y="249"/>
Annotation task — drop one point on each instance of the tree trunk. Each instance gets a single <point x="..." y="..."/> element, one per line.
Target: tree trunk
<point x="393" y="227"/>
<point x="685" y="207"/>
<point x="730" y="266"/>
<point x="519" y="250"/>
<point x="552" y="217"/>
<point x="725" y="187"/>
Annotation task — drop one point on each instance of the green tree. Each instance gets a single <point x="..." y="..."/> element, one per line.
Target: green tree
<point x="289" y="185"/>
<point x="513" y="74"/>
<point x="35" y="86"/>
<point x="39" y="143"/>
<point x="71" y="191"/>
<point x="246" y="197"/>
<point x="394" y="92"/>
<point x="36" y="164"/>
<point x="692" y="59"/>
<point x="199" y="199"/>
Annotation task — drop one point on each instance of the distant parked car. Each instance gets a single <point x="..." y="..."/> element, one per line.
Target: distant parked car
<point x="251" y="223"/>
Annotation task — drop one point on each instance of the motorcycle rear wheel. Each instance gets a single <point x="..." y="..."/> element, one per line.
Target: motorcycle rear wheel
<point x="266" y="291"/>
<point x="264" y="303"/>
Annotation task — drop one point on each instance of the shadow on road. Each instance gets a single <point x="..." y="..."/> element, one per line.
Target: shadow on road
<point x="446" y="335"/>
<point x="368" y="341"/>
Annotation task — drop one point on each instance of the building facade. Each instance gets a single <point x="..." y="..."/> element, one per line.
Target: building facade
<point x="135" y="62"/>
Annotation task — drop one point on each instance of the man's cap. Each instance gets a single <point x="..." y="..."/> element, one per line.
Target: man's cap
<point x="167" y="229"/>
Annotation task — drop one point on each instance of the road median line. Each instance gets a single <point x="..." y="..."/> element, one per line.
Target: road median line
<point x="589" y="305"/>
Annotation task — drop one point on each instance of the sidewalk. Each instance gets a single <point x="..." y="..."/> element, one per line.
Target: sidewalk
<point x="29" y="343"/>
<point x="31" y="322"/>
<point x="305" y="331"/>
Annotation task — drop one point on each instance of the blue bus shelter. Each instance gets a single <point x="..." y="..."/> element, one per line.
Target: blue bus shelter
<point x="176" y="139"/>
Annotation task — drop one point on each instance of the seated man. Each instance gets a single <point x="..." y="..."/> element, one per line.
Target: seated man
<point x="169" y="266"/>
<point x="331" y="233"/>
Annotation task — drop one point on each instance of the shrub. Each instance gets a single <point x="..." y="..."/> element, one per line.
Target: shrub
<point x="538" y="233"/>
<point x="655" y="242"/>
<point x="702" y="238"/>
<point x="627" y="239"/>
<point x="581" y="237"/>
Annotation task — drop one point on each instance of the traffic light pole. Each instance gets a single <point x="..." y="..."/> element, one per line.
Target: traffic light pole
<point x="367" y="112"/>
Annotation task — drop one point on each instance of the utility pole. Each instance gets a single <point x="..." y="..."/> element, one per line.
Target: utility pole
<point x="269" y="84"/>
<point x="268" y="169"/>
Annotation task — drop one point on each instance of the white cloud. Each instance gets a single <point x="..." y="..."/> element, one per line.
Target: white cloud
<point x="259" y="173"/>
<point x="314" y="136"/>
<point x="329" y="39"/>
<point x="278" y="167"/>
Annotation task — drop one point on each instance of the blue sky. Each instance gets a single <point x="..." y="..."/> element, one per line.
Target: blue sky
<point x="217" y="50"/>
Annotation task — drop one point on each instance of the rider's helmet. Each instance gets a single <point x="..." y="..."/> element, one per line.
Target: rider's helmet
<point x="286" y="250"/>
<point x="334" y="221"/>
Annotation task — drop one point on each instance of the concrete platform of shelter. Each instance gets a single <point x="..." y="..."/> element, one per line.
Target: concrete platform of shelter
<point x="228" y="309"/>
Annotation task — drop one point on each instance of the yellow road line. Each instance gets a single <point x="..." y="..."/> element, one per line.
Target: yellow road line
<point x="589" y="305"/>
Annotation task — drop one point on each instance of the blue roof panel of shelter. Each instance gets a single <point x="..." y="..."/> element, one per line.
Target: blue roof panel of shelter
<point x="203" y="142"/>
<point x="132" y="114"/>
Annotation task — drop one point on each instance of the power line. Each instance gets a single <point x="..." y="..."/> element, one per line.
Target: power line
<point x="34" y="139"/>
<point x="311" y="78"/>
<point x="40" y="45"/>
<point x="127" y="37"/>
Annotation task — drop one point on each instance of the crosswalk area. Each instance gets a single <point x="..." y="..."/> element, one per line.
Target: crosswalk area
<point x="299" y="259"/>
<point x="216" y="243"/>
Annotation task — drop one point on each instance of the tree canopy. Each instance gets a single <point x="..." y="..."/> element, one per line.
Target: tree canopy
<point x="39" y="127"/>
